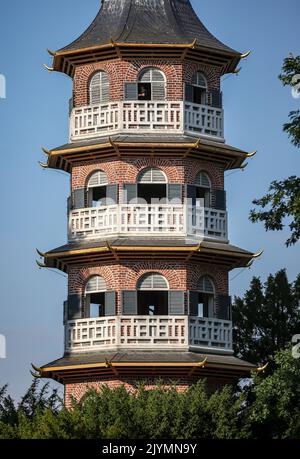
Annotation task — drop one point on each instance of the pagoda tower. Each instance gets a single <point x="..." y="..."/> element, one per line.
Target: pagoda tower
<point x="148" y="253"/>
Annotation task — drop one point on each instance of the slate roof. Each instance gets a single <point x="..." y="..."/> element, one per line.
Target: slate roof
<point x="142" y="138"/>
<point x="148" y="242"/>
<point x="146" y="22"/>
<point x="146" y="357"/>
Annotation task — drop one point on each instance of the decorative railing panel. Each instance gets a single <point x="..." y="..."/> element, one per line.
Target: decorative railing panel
<point x="214" y="333"/>
<point x="147" y="332"/>
<point x="144" y="117"/>
<point x="148" y="219"/>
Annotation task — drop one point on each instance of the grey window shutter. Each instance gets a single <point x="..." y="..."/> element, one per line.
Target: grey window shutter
<point x="130" y="303"/>
<point x="216" y="99"/>
<point x="218" y="199"/>
<point x="129" y="192"/>
<point x="69" y="204"/>
<point x="189" y="93"/>
<point x="110" y="303"/>
<point x="158" y="90"/>
<point x="112" y="193"/>
<point x="74" y="307"/>
<point x="191" y="193"/>
<point x="176" y="303"/>
<point x="223" y="307"/>
<point x="193" y="303"/>
<point x="131" y="91"/>
<point x="175" y="192"/>
<point x="79" y="198"/>
<point x="66" y="310"/>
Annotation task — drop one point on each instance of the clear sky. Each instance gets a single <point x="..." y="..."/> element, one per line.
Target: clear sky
<point x="35" y="114"/>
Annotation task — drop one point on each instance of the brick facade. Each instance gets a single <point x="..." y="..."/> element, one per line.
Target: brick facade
<point x="77" y="390"/>
<point x="177" y="73"/>
<point x="183" y="171"/>
<point x="124" y="276"/>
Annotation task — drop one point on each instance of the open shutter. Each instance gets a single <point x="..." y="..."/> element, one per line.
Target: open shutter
<point x="176" y="303"/>
<point x="131" y="91"/>
<point x="129" y="192"/>
<point x="69" y="205"/>
<point x="218" y="199"/>
<point x="216" y="99"/>
<point x="66" y="309"/>
<point x="130" y="303"/>
<point x="110" y="303"/>
<point x="175" y="192"/>
<point x="79" y="198"/>
<point x="223" y="307"/>
<point x="74" y="307"/>
<point x="193" y="303"/>
<point x="189" y="93"/>
<point x="112" y="194"/>
<point x="192" y="193"/>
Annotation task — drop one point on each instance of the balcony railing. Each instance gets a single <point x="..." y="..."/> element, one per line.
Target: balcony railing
<point x="143" y="117"/>
<point x="148" y="332"/>
<point x="144" y="220"/>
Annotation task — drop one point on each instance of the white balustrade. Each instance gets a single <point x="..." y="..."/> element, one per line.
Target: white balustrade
<point x="207" y="222"/>
<point x="148" y="219"/>
<point x="94" y="120"/>
<point x="204" y="120"/>
<point x="207" y="332"/>
<point x="147" y="332"/>
<point x="162" y="331"/>
<point x="144" y="117"/>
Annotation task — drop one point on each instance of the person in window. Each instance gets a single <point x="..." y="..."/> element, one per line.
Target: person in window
<point x="144" y="92"/>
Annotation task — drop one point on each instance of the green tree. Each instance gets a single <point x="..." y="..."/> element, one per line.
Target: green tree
<point x="269" y="407"/>
<point x="283" y="199"/>
<point x="266" y="318"/>
<point x="273" y="406"/>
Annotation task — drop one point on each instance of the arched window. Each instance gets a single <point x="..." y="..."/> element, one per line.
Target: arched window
<point x="152" y="185"/>
<point x="205" y="296"/>
<point x="95" y="284"/>
<point x="150" y="85"/>
<point x="152" y="291"/>
<point x="206" y="285"/>
<point x="152" y="175"/>
<point x="95" y="297"/>
<point x="199" y="80"/>
<point x="203" y="188"/>
<point x="152" y="281"/>
<point x="197" y="91"/>
<point x="99" y="88"/>
<point x="97" y="189"/>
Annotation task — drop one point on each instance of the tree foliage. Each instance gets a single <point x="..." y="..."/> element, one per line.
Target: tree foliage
<point x="283" y="199"/>
<point x="269" y="407"/>
<point x="266" y="318"/>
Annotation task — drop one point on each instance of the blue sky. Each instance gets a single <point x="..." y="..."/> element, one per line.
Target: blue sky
<point x="35" y="114"/>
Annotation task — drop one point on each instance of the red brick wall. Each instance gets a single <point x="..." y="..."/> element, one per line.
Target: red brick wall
<point x="126" y="170"/>
<point x="77" y="390"/>
<point x="124" y="276"/>
<point x="177" y="73"/>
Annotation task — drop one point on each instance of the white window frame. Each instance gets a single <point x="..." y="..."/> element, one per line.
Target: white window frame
<point x="159" y="82"/>
<point x="153" y="288"/>
<point x="152" y="180"/>
<point x="101" y="88"/>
